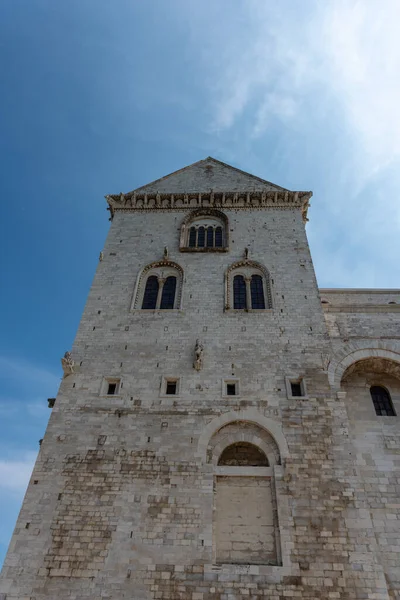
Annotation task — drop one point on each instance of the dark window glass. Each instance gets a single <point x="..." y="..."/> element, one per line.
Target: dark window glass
<point x="210" y="237"/>
<point x="382" y="401"/>
<point x="192" y="237"/>
<point x="218" y="237"/>
<point x="239" y="292"/>
<point x="257" y="292"/>
<point x="296" y="389"/>
<point x="112" y="388"/>
<point x="168" y="293"/>
<point x="231" y="389"/>
<point x="150" y="293"/>
<point x="171" y="387"/>
<point x="201" y="234"/>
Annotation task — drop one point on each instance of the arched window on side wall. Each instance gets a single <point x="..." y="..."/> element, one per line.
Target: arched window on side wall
<point x="192" y="237"/>
<point x="204" y="230"/>
<point x="247" y="286"/>
<point x="168" y="293"/>
<point x="200" y="237"/>
<point x="159" y="287"/>
<point x="257" y="292"/>
<point x="239" y="292"/>
<point x="150" y="293"/>
<point x="382" y="401"/>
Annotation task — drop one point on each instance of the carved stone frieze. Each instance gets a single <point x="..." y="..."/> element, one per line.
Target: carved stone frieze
<point x="281" y="199"/>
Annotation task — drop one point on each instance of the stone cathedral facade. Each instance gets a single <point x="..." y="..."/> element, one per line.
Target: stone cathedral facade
<point x="224" y="429"/>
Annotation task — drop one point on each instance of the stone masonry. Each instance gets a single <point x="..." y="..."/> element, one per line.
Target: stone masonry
<point x="265" y="472"/>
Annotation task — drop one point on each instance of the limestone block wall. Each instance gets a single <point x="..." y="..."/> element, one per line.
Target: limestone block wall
<point x="121" y="500"/>
<point x="376" y="442"/>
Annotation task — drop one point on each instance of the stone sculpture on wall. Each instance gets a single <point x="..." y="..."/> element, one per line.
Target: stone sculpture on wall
<point x="67" y="363"/>
<point x="198" y="356"/>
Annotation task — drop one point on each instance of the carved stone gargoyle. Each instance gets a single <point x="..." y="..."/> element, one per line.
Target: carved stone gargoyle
<point x="67" y="364"/>
<point x="198" y="356"/>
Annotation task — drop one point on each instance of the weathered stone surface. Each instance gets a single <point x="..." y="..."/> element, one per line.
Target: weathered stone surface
<point x="129" y="500"/>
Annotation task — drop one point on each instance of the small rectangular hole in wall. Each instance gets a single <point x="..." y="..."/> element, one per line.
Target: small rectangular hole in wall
<point x="296" y="388"/>
<point x="27" y="526"/>
<point x="231" y="389"/>
<point x="36" y="482"/>
<point x="171" y="388"/>
<point x="111" y="390"/>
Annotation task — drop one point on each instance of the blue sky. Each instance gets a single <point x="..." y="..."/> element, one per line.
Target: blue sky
<point x="100" y="97"/>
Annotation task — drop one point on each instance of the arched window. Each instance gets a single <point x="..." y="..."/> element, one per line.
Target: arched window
<point x="192" y="237"/>
<point x="239" y="292"/>
<point x="245" y="522"/>
<point x="159" y="287"/>
<point x="382" y="401"/>
<point x="200" y="237"/>
<point x="257" y="292"/>
<point x="247" y="286"/>
<point x="210" y="237"/>
<point x="150" y="293"/>
<point x="204" y="230"/>
<point x="218" y="237"/>
<point x="168" y="293"/>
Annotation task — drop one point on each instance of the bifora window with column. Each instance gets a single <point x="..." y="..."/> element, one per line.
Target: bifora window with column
<point x="159" y="287"/>
<point x="247" y="287"/>
<point x="204" y="231"/>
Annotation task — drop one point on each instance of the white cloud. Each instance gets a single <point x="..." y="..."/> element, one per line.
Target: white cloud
<point x="325" y="73"/>
<point x="15" y="473"/>
<point x="276" y="59"/>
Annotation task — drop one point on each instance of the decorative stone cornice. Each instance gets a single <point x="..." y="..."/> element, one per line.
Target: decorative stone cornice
<point x="254" y="200"/>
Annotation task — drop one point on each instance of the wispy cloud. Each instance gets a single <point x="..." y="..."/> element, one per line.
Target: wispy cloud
<point x="325" y="73"/>
<point x="279" y="60"/>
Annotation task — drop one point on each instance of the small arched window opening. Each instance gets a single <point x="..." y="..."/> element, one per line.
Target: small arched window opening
<point x="239" y="292"/>
<point x="150" y="293"/>
<point x="218" y="237"/>
<point x="192" y="237"/>
<point x="382" y="401"/>
<point x="168" y="293"/>
<point x="257" y="292"/>
<point x="204" y="230"/>
<point x="159" y="287"/>
<point x="247" y="286"/>
<point x="210" y="237"/>
<point x="243" y="454"/>
<point x="201" y="237"/>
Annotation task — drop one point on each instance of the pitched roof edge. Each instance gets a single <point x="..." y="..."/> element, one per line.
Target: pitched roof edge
<point x="219" y="162"/>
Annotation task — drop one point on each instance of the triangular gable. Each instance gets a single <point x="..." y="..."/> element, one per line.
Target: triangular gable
<point x="207" y="174"/>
